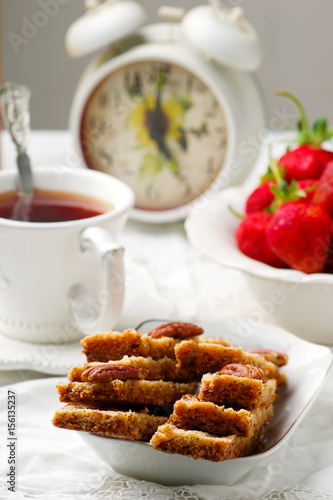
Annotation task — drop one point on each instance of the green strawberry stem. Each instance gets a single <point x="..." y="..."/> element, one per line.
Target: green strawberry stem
<point x="282" y="191"/>
<point x="240" y="216"/>
<point x="303" y="118"/>
<point x="319" y="132"/>
<point x="276" y="171"/>
<point x="270" y="176"/>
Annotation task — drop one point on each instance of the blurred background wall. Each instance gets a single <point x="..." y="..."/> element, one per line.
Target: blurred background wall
<point x="297" y="38"/>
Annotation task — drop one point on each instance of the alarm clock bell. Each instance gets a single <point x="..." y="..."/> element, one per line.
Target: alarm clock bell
<point x="172" y="108"/>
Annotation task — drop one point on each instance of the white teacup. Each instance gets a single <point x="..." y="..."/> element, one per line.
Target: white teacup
<point x="62" y="280"/>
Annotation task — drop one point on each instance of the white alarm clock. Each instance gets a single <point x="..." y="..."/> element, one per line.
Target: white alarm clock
<point x="168" y="108"/>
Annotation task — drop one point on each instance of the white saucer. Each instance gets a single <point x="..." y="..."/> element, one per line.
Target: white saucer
<point x="45" y="358"/>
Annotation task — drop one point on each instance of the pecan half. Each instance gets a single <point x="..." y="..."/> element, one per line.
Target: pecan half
<point x="278" y="358"/>
<point x="108" y="372"/>
<point x="176" y="330"/>
<point x="248" y="371"/>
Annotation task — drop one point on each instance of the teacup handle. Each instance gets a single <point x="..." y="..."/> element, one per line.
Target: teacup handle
<point x="105" y="310"/>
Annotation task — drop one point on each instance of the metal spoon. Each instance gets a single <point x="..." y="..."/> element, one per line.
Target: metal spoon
<point x="16" y="116"/>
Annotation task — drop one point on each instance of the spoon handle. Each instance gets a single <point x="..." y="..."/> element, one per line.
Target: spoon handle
<point x="23" y="164"/>
<point x="15" y="100"/>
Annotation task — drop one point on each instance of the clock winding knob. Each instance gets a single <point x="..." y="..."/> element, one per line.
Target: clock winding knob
<point x="91" y="4"/>
<point x="171" y="13"/>
<point x="223" y="35"/>
<point x="236" y="14"/>
<point x="102" y="24"/>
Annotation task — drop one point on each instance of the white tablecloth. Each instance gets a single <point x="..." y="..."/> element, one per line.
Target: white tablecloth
<point x="165" y="278"/>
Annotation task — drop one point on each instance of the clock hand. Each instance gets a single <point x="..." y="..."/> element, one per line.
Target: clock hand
<point x="159" y="87"/>
<point x="156" y="131"/>
<point x="163" y="148"/>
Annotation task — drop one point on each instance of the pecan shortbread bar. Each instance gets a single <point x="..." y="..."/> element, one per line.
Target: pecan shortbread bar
<point x="159" y="342"/>
<point x="209" y="357"/>
<point x="148" y="368"/>
<point x="191" y="413"/>
<point x="198" y="444"/>
<point x="110" y="422"/>
<point x="237" y="384"/>
<point x="278" y="358"/>
<point x="148" y="392"/>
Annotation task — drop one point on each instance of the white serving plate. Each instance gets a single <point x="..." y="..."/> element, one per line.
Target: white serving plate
<point x="299" y="302"/>
<point x="307" y="369"/>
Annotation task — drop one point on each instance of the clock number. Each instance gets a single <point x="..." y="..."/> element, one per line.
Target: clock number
<point x="151" y="74"/>
<point x="101" y="125"/>
<point x="199" y="132"/>
<point x="152" y="193"/>
<point x="134" y="87"/>
<point x="221" y="136"/>
<point x="104" y="99"/>
<point x="200" y="88"/>
<point x="189" y="84"/>
<point x="212" y="107"/>
<point x="105" y="157"/>
<point x="188" y="189"/>
<point x="111" y="101"/>
<point x="210" y="169"/>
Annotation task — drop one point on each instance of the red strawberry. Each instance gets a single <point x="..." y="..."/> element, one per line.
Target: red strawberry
<point x="304" y="162"/>
<point x="308" y="159"/>
<point x="324" y="156"/>
<point x="251" y="239"/>
<point x="274" y="190"/>
<point x="260" y="198"/>
<point x="309" y="186"/>
<point x="324" y="192"/>
<point x="282" y="191"/>
<point x="299" y="234"/>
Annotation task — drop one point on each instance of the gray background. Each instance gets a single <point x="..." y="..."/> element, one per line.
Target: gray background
<point x="297" y="38"/>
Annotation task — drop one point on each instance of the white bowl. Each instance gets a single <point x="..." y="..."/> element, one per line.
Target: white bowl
<point x="301" y="303"/>
<point x="307" y="369"/>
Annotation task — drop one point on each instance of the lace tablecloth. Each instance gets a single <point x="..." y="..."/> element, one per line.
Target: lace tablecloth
<point x="165" y="278"/>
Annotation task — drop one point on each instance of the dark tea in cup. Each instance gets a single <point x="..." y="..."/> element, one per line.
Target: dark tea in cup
<point x="51" y="206"/>
<point x="62" y="280"/>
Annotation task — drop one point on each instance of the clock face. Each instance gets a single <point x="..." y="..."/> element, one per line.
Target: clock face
<point x="157" y="127"/>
